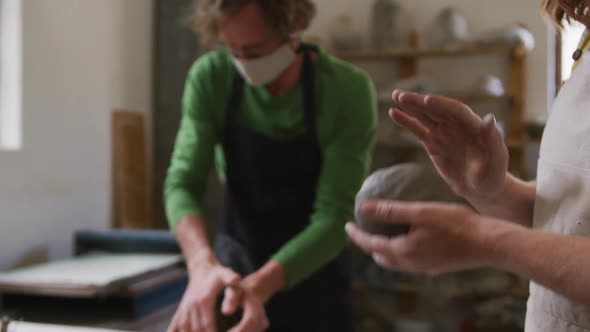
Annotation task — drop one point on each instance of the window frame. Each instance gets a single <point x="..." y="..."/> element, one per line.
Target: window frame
<point x="11" y="75"/>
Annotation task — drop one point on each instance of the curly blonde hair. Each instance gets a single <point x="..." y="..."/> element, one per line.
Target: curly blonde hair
<point x="283" y="16"/>
<point x="559" y="10"/>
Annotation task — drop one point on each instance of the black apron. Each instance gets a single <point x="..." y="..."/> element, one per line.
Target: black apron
<point x="270" y="194"/>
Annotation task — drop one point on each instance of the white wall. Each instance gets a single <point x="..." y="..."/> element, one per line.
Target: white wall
<point x="81" y="60"/>
<point x="480" y="14"/>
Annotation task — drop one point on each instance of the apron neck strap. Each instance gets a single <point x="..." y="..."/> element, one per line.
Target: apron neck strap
<point x="582" y="46"/>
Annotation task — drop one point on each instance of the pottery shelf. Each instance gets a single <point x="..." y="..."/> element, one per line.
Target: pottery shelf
<point x="514" y="101"/>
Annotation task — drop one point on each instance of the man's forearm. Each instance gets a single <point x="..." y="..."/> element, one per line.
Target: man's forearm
<point x="268" y="280"/>
<point x="558" y="262"/>
<point x="191" y="233"/>
<point x="514" y="203"/>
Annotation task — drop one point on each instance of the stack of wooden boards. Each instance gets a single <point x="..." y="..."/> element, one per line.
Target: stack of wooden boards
<point x="16" y="326"/>
<point x="126" y="273"/>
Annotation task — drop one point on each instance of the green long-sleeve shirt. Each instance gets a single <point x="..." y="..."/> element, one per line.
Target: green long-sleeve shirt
<point x="346" y="124"/>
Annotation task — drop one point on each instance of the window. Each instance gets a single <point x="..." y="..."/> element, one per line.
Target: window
<point x="10" y="74"/>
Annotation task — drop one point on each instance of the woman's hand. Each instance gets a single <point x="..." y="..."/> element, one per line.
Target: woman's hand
<point x="468" y="152"/>
<point x="197" y="309"/>
<point x="443" y="238"/>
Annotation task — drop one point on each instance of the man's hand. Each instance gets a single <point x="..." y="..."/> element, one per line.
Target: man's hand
<point x="251" y="294"/>
<point x="196" y="312"/>
<point x="253" y="313"/>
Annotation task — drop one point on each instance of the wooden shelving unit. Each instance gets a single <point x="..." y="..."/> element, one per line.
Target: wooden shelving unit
<point x="410" y="288"/>
<point x="409" y="60"/>
<point x="468" y="98"/>
<point x="407" y="298"/>
<point x="412" y="53"/>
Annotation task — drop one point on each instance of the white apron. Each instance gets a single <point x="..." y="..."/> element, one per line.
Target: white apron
<point x="562" y="202"/>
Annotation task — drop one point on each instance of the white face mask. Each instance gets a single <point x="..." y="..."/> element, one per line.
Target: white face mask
<point x="264" y="70"/>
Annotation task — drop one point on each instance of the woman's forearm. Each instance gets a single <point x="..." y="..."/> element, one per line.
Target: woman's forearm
<point x="558" y="262"/>
<point x="514" y="203"/>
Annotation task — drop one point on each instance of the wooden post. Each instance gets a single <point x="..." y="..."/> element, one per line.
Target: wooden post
<point x="516" y="131"/>
<point x="409" y="64"/>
